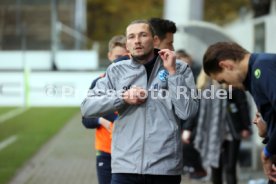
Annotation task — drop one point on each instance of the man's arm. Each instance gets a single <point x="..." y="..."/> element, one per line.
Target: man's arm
<point x="93" y="123"/>
<point x="270" y="147"/>
<point x="181" y="84"/>
<point x="267" y="85"/>
<point x="102" y="99"/>
<point x="90" y="123"/>
<point x="268" y="88"/>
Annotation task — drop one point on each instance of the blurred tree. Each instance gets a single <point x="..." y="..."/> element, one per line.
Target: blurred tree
<point x="221" y="12"/>
<point x="109" y="17"/>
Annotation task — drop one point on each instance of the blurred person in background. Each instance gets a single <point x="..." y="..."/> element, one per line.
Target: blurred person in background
<point x="191" y="157"/>
<point x="229" y="63"/>
<point x="222" y="123"/>
<point x="181" y="54"/>
<point x="164" y="30"/>
<point x="261" y="125"/>
<point x="184" y="56"/>
<point x="103" y="125"/>
<point x="147" y="128"/>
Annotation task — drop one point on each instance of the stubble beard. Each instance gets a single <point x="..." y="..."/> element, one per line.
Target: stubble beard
<point x="142" y="59"/>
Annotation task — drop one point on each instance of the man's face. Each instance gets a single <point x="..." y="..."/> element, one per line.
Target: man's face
<point x="117" y="52"/>
<point x="261" y="125"/>
<point x="166" y="43"/>
<point x="229" y="78"/>
<point x="230" y="74"/>
<point x="139" y="41"/>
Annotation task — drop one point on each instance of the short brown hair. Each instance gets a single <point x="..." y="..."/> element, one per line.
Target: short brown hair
<point x="221" y="51"/>
<point x="118" y="40"/>
<point x="142" y="21"/>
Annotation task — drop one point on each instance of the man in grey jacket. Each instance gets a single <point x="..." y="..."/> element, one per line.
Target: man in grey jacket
<point x="151" y="92"/>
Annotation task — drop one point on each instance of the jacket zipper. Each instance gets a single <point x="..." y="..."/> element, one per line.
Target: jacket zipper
<point x="144" y="132"/>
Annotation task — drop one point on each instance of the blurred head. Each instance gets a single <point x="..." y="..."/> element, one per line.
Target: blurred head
<point x="222" y="62"/>
<point x="164" y="30"/>
<point x="117" y="47"/>
<point x="203" y="80"/>
<point x="261" y="124"/>
<point x="184" y="56"/>
<point x="140" y="38"/>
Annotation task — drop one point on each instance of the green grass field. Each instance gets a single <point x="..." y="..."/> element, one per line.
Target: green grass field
<point x="3" y="110"/>
<point x="33" y="128"/>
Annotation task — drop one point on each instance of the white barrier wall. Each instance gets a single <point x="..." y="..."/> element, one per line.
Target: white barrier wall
<point x="77" y="60"/>
<point x="244" y="33"/>
<point x="44" y="88"/>
<point x="41" y="60"/>
<point x="11" y="89"/>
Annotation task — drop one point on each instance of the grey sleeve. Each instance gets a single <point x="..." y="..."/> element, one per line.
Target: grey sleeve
<point x="182" y="91"/>
<point x="102" y="99"/>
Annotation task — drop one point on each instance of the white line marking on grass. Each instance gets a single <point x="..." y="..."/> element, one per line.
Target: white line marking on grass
<point x="11" y="114"/>
<point x="7" y="142"/>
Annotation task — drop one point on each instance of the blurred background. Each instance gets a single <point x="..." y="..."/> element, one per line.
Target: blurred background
<point x="51" y="50"/>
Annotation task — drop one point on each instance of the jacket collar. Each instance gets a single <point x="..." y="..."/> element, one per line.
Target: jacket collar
<point x="247" y="81"/>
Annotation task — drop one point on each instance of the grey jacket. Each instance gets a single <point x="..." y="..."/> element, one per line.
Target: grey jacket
<point x="211" y="128"/>
<point x="146" y="138"/>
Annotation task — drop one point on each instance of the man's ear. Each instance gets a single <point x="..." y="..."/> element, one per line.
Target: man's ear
<point x="156" y="41"/>
<point x="226" y="64"/>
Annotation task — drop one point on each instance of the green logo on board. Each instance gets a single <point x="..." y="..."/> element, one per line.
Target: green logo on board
<point x="257" y="73"/>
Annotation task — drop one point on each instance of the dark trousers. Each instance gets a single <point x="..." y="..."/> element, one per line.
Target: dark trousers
<point x="104" y="167"/>
<point x="191" y="157"/>
<point x="227" y="163"/>
<point x="124" y="178"/>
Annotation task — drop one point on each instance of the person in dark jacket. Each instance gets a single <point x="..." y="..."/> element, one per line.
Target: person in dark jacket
<point x="262" y="131"/>
<point x="191" y="157"/>
<point x="229" y="63"/>
<point x="103" y="125"/>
